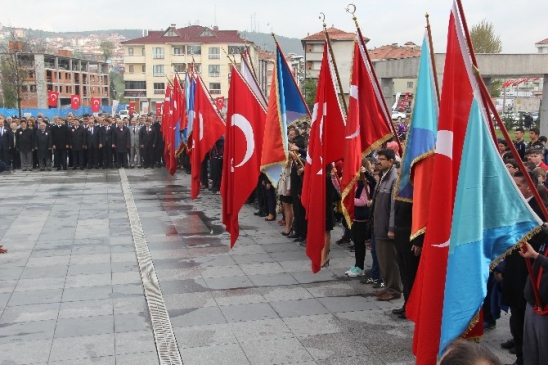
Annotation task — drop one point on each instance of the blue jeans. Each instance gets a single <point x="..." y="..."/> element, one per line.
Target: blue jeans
<point x="375" y="274"/>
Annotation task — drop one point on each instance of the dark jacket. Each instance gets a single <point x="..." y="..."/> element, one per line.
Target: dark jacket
<point x="77" y="138"/>
<point x="25" y="139"/>
<point x="383" y="207"/>
<point x="93" y="139"/>
<point x="105" y="135"/>
<point x="43" y="143"/>
<point x="403" y="212"/>
<point x="60" y="136"/>
<point x="540" y="262"/>
<point x="121" y="139"/>
<point x="5" y="143"/>
<point x="147" y="138"/>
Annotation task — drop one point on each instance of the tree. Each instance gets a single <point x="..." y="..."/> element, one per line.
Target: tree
<point x="107" y="47"/>
<point x="309" y="91"/>
<point x="117" y="86"/>
<point x="484" y="40"/>
<point x="14" y="70"/>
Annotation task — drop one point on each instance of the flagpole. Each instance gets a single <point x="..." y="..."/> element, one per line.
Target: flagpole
<point x="341" y="93"/>
<point x="432" y="57"/>
<point x="201" y="81"/>
<point x="250" y="60"/>
<point x="292" y="77"/>
<point x="374" y="74"/>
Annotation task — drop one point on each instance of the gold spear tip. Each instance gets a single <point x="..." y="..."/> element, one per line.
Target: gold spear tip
<point x="427" y="15"/>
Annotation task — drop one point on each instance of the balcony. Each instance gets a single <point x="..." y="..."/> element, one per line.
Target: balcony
<point x="215" y="91"/>
<point x="134" y="59"/>
<point x="158" y="56"/>
<point x="135" y="93"/>
<point x="159" y="91"/>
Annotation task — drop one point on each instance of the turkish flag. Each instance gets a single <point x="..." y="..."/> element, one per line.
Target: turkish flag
<point x="367" y="125"/>
<point x="131" y="108"/>
<point x="207" y="129"/>
<point x="53" y="97"/>
<point x="158" y="109"/>
<point x="326" y="145"/>
<point x="220" y="102"/>
<point x="74" y="101"/>
<point x="242" y="154"/>
<point x="95" y="105"/>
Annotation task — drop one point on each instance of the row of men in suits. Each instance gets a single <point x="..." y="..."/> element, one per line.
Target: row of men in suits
<point x="92" y="142"/>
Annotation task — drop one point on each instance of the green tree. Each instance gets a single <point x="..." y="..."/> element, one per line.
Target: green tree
<point x="484" y="40"/>
<point x="309" y="91"/>
<point x="117" y="86"/>
<point x="107" y="47"/>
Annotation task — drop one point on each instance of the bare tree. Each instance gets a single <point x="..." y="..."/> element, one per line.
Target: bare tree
<point x="107" y="47"/>
<point x="485" y="41"/>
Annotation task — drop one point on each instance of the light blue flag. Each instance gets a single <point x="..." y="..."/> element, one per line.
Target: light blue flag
<point x="490" y="217"/>
<point x="421" y="138"/>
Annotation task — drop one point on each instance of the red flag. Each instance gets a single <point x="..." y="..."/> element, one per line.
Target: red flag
<point x="326" y="145"/>
<point x="207" y="129"/>
<point x="158" y="109"/>
<point x="131" y="108"/>
<point x="366" y="128"/>
<point x="220" y="102"/>
<point x="53" y="96"/>
<point x="74" y="101"/>
<point x="95" y="105"/>
<point x="243" y="140"/>
<point x="176" y="106"/>
<point x="425" y="304"/>
<point x="166" y="120"/>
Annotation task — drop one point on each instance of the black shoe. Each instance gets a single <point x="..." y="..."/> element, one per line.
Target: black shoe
<point x="508" y="344"/>
<point x="402" y="316"/>
<point x="398" y="310"/>
<point x="64" y="168"/>
<point x="285" y="234"/>
<point x="58" y="169"/>
<point x="260" y="214"/>
<point x="302" y="244"/>
<point x="293" y="235"/>
<point x="75" y="168"/>
<point x="512" y="350"/>
<point x="351" y="248"/>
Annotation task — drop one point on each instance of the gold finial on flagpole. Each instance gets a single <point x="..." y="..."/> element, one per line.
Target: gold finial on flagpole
<point x="353" y="13"/>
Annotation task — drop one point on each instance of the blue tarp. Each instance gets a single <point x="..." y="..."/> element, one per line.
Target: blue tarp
<point x="60" y="112"/>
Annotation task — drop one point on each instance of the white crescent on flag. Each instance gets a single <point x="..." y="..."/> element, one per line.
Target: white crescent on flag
<point x="243" y="124"/>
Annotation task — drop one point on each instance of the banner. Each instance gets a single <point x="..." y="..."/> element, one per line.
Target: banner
<point x="115" y="104"/>
<point x="74" y="102"/>
<point x="53" y="97"/>
<point x="95" y="105"/>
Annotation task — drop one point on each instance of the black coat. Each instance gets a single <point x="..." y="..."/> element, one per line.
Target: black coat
<point x="147" y="138"/>
<point x="5" y="143"/>
<point x="25" y="139"/>
<point x="93" y="140"/>
<point x="60" y="136"/>
<point x="77" y="138"/>
<point x="159" y="137"/>
<point x="121" y="139"/>
<point x="105" y="135"/>
<point x="43" y="143"/>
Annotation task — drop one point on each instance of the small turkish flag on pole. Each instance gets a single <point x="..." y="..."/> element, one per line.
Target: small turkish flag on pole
<point x="53" y="96"/>
<point x="95" y="105"/>
<point x="158" y="109"/>
<point x="131" y="108"/>
<point x="74" y="101"/>
<point x="220" y="102"/>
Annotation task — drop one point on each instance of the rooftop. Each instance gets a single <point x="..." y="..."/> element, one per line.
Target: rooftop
<point x="394" y="51"/>
<point x="544" y="41"/>
<point x="192" y="34"/>
<point x="335" y="35"/>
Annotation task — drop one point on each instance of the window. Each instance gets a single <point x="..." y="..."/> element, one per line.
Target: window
<point x="159" y="88"/>
<point x="214" y="53"/>
<point x="410" y="84"/>
<point x="158" y="70"/>
<point x="143" y="68"/>
<point x="215" y="88"/>
<point x="179" y="50"/>
<point x="157" y="52"/>
<point x="194" y="50"/>
<point x="143" y="51"/>
<point x="130" y="51"/>
<point x="235" y="50"/>
<point x="32" y="88"/>
<point x="68" y="89"/>
<point x="197" y="68"/>
<point x="135" y="85"/>
<point x="130" y="68"/>
<point x="179" y="67"/>
<point x="214" y="70"/>
<point x="171" y="33"/>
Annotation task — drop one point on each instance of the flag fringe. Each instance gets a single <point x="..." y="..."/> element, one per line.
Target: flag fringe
<point x="418" y="233"/>
<point x="518" y="245"/>
<point x="473" y="322"/>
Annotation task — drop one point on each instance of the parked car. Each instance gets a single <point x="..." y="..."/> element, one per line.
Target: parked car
<point x="396" y="115"/>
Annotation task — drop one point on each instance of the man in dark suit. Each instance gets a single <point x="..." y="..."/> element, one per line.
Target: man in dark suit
<point x="106" y="142"/>
<point x="25" y="144"/>
<point x="43" y="146"/>
<point x="5" y="143"/>
<point x="147" y="139"/>
<point x="92" y="143"/>
<point x="120" y="143"/>
<point x="77" y="138"/>
<point x="60" y="143"/>
<point x="159" y="149"/>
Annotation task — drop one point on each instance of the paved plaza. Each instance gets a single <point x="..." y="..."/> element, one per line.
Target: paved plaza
<point x="75" y="282"/>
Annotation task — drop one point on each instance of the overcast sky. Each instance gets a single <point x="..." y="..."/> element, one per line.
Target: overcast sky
<point x="520" y="24"/>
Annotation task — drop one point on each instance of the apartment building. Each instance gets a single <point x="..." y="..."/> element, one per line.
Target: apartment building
<point x="152" y="60"/>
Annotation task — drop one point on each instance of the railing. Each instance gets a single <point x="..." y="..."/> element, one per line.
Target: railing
<point x="215" y="91"/>
<point x="158" y="56"/>
<point x="159" y="91"/>
<point x="135" y="93"/>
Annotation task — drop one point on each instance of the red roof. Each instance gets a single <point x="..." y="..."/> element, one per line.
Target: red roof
<point x="544" y="41"/>
<point x="334" y="33"/>
<point x="394" y="52"/>
<point x="192" y="34"/>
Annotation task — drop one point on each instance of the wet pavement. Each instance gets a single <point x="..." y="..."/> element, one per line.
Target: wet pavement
<point x="74" y="285"/>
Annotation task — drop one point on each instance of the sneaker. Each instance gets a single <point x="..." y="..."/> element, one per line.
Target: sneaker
<point x="489" y="325"/>
<point x="371" y="281"/>
<point x="356" y="271"/>
<point x="378" y="285"/>
<point x="351" y="270"/>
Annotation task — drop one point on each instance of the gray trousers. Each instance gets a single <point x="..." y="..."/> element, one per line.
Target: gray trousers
<point x="44" y="162"/>
<point x="387" y="255"/>
<point x="535" y="333"/>
<point x="134" y="155"/>
<point x="26" y="160"/>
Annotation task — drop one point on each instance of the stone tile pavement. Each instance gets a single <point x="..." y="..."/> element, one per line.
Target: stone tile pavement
<point x="71" y="289"/>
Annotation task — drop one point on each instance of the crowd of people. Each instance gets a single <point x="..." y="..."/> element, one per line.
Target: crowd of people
<point x="79" y="143"/>
<point x="380" y="224"/>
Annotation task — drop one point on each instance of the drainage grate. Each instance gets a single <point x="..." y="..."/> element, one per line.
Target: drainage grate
<point x="166" y="344"/>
